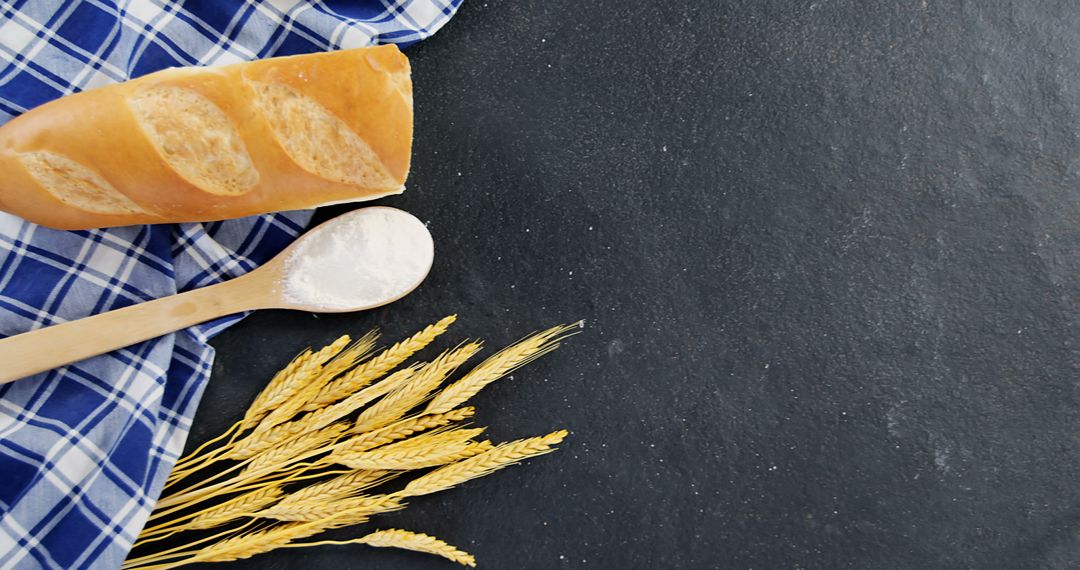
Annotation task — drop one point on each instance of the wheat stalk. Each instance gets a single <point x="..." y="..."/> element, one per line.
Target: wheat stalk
<point x="251" y="543"/>
<point x="435" y="457"/>
<point x="289" y="381"/>
<point x="391" y="538"/>
<point x="235" y="508"/>
<point x="409" y="394"/>
<point x="396" y="538"/>
<point x="425" y="450"/>
<point x="503" y="455"/>
<point x="319" y="378"/>
<point x="280" y="389"/>
<point x="349" y="357"/>
<point x="339" y="487"/>
<point x="393" y="432"/>
<point x="247" y="476"/>
<point x="498" y="365"/>
<point x="379" y="365"/>
<point x="260" y="441"/>
<point x="340" y="512"/>
<point x="402" y="429"/>
<point x="195" y="494"/>
<point x="259" y="458"/>
<point x="183" y="466"/>
<point x="151" y="561"/>
<point x="285" y="454"/>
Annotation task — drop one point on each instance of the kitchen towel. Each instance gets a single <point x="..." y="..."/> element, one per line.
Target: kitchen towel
<point x="85" y="449"/>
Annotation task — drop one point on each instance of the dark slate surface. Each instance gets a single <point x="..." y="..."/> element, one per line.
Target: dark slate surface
<point x="828" y="256"/>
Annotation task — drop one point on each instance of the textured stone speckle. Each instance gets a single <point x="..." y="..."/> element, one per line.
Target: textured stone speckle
<point x="878" y="200"/>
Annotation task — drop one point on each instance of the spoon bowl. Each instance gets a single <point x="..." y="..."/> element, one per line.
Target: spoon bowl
<point x="397" y="252"/>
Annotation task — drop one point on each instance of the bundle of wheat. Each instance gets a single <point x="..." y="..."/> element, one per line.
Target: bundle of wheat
<point x="328" y="429"/>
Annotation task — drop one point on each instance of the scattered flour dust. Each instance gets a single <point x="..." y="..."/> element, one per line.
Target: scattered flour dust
<point x="360" y="259"/>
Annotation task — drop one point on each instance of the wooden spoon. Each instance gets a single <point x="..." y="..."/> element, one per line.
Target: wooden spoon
<point x="44" y="349"/>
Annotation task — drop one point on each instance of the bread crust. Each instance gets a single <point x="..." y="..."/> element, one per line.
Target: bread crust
<point x="367" y="89"/>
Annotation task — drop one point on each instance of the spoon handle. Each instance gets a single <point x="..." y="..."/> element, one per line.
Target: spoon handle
<point x="50" y="347"/>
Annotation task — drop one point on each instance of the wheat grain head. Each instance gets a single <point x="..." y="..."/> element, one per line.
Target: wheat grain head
<point x="249" y="544"/>
<point x="377" y="366"/>
<point x="498" y="365"/>
<point x="280" y="388"/>
<point x="335" y="513"/>
<point x="289" y="380"/>
<point x="501" y="456"/>
<point x="284" y="455"/>
<point x="397" y="538"/>
<point x="331" y="413"/>
<point x="318" y="378"/>
<point x="350" y="356"/>
<point x="397" y="403"/>
<point x="236" y="507"/>
<point x="431" y="458"/>
<point x="262" y="440"/>
<point x="339" y="487"/>
<point x="426" y="450"/>
<point x="403" y="429"/>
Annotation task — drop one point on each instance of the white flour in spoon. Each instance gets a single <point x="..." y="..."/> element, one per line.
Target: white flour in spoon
<point x="357" y="260"/>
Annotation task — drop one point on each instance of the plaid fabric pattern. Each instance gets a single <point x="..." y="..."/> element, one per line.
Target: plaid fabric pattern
<point x="84" y="449"/>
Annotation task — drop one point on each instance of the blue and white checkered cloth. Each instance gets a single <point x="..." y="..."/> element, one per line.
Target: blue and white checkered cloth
<point x="85" y="449"/>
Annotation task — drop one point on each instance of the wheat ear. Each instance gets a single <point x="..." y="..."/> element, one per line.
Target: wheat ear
<point x="402" y="429"/>
<point x="289" y="380"/>
<point x="280" y="388"/>
<point x="377" y="366"/>
<point x="230" y="510"/>
<point x="337" y="513"/>
<point x="251" y="543"/>
<point x="409" y="394"/>
<point x="503" y="455"/>
<point x="235" y="508"/>
<point x="280" y="391"/>
<point x="284" y="455"/>
<point x="426" y="450"/>
<point x="319" y="378"/>
<point x="433" y="457"/>
<point x="260" y="441"/>
<point x="498" y="365"/>
<point x="289" y="533"/>
<point x="186" y="550"/>
<point x="342" y="486"/>
<point x="396" y="538"/>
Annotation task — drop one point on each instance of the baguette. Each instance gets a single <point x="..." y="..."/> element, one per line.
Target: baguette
<point x="203" y="144"/>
